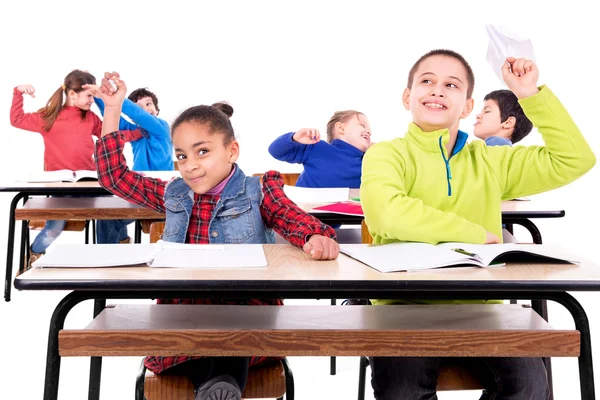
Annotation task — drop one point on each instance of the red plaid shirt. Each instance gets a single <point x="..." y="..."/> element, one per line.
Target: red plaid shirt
<point x="277" y="211"/>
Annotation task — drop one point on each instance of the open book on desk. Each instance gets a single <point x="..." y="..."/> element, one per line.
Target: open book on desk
<point x="160" y="254"/>
<point x="409" y="256"/>
<point x="63" y="175"/>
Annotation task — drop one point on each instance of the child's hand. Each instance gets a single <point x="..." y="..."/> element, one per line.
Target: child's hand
<point x="27" y="89"/>
<point x="322" y="248"/>
<point x="521" y="76"/>
<point x="492" y="239"/>
<point x="307" y="136"/>
<point x="112" y="89"/>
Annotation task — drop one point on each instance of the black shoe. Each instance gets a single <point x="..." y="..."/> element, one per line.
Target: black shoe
<point x="222" y="387"/>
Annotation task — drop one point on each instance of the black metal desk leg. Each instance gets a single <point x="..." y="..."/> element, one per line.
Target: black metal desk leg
<point x="53" y="358"/>
<point x="11" y="245"/>
<point x="96" y="362"/>
<point x="138" y="232"/>
<point x="541" y="307"/>
<point x="586" y="369"/>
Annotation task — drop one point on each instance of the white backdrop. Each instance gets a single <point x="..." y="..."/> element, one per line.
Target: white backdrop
<point x="288" y="65"/>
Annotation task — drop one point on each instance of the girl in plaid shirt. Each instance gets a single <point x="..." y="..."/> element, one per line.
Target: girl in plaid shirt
<point x="213" y="202"/>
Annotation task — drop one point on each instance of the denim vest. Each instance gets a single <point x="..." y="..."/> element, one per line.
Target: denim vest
<point x="235" y="219"/>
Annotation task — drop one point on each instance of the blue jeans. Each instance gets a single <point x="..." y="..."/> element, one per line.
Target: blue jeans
<point x="51" y="231"/>
<point x="415" y="378"/>
<point x="112" y="231"/>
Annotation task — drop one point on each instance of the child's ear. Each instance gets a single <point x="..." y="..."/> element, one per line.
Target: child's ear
<point x="406" y="99"/>
<point x="339" y="128"/>
<point x="509" y="123"/>
<point x="234" y="151"/>
<point x="468" y="108"/>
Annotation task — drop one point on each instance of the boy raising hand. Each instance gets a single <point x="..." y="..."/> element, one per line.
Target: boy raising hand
<point x="431" y="186"/>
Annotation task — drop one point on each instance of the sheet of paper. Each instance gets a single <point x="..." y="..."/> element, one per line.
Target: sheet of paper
<point x="210" y="256"/>
<point x="96" y="255"/>
<point x="502" y="44"/>
<point x="316" y="195"/>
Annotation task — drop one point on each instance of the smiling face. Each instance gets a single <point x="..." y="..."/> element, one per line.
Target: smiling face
<point x="437" y="98"/>
<point x="203" y="157"/>
<point x="355" y="131"/>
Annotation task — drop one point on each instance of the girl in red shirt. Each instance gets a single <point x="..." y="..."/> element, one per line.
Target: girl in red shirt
<point x="67" y="127"/>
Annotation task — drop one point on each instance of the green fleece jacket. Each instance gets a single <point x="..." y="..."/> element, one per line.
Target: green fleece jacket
<point x="411" y="190"/>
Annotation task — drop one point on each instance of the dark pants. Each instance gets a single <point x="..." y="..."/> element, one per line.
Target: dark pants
<point x="415" y="378"/>
<point x="204" y="369"/>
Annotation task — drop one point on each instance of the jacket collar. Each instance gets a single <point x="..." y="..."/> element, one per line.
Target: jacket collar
<point x="430" y="141"/>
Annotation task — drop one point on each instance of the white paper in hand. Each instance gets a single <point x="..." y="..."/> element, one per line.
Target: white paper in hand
<point x="504" y="44"/>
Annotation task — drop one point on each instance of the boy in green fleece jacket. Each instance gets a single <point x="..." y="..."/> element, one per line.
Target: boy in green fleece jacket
<point x="431" y="186"/>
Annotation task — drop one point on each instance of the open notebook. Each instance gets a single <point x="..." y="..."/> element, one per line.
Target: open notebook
<point x="408" y="256"/>
<point x="63" y="175"/>
<point x="160" y="254"/>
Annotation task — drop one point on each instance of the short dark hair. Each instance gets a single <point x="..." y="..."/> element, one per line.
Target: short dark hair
<point x="509" y="107"/>
<point x="447" y="53"/>
<point x="217" y="120"/>
<point x="141" y="93"/>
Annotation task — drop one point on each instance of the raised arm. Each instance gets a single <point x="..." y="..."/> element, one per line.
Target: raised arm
<point x="145" y="120"/>
<point x="124" y="125"/>
<point x="18" y="117"/>
<point x="392" y="215"/>
<point x="294" y="147"/>
<point x="113" y="173"/>
<point x="566" y="156"/>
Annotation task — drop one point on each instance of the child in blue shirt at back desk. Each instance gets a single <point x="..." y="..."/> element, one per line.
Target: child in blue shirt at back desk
<point x="336" y="162"/>
<point x="502" y="121"/>
<point x="152" y="152"/>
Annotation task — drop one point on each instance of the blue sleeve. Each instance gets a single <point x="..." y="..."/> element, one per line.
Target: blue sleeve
<point x="285" y="149"/>
<point x="497" y="141"/>
<point x="153" y="125"/>
<point x="124" y="125"/>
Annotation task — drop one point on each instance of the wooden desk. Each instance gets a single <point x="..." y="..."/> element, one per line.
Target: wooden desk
<point x="23" y="190"/>
<point x="103" y="208"/>
<point x="292" y="274"/>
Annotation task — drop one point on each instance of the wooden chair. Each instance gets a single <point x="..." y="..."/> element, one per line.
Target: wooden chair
<point x="270" y="381"/>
